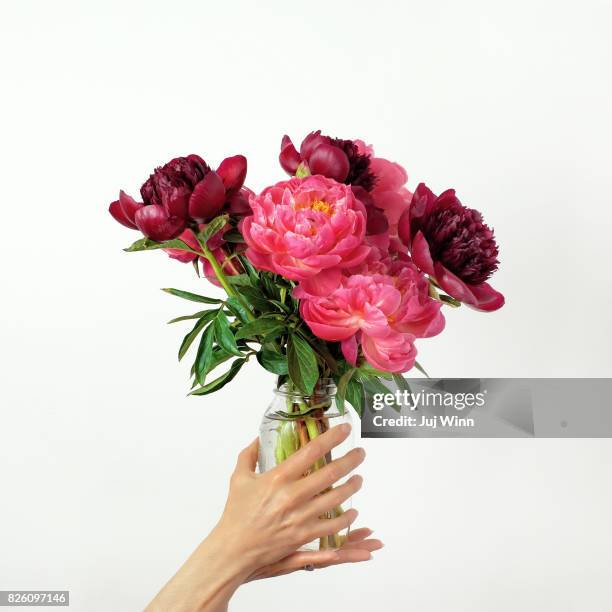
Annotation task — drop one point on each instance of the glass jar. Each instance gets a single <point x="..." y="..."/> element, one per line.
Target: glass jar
<point x="291" y="421"/>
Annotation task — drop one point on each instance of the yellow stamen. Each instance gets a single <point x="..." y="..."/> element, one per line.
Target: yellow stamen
<point x="322" y="206"/>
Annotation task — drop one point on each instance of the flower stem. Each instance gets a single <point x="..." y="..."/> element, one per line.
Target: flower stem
<point x="231" y="292"/>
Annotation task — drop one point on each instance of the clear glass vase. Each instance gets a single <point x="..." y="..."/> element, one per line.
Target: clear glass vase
<point x="291" y="421"/>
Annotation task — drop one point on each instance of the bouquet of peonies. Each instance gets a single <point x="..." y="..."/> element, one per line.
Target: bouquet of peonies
<point x="330" y="277"/>
<point x="332" y="274"/>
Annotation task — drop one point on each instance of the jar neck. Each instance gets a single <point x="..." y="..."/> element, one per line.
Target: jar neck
<point x="323" y="393"/>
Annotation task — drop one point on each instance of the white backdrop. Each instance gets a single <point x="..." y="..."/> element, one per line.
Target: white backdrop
<point x="109" y="475"/>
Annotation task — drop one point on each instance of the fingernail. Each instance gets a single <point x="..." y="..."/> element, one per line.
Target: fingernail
<point x="345" y="427"/>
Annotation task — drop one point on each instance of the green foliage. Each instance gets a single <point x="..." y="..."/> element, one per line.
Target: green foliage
<point x="211" y="229"/>
<point x="146" y="244"/>
<point x="193" y="297"/>
<point x="272" y="361"/>
<point x="302" y="364"/>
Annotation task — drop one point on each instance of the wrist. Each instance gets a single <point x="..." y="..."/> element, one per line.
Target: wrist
<point x="207" y="580"/>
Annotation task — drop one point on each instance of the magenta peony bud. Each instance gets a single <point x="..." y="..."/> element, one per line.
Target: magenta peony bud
<point x="232" y="171"/>
<point x="329" y="161"/>
<point x="155" y="223"/>
<point x="345" y="161"/>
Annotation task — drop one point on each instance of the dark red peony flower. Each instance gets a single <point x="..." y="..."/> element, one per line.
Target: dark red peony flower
<point x="452" y="244"/>
<point x="183" y="193"/>
<point x="334" y="158"/>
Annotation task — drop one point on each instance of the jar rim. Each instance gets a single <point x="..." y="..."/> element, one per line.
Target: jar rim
<point x="325" y="387"/>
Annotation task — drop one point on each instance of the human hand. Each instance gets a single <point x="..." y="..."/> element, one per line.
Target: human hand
<point x="275" y="513"/>
<point x="266" y="519"/>
<point x="357" y="548"/>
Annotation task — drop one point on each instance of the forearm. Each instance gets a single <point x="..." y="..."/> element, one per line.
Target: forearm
<point x="206" y="581"/>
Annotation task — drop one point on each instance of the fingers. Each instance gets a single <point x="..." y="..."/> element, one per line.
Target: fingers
<point x="295" y="466"/>
<point x="247" y="459"/>
<point x="357" y="535"/>
<point x="336" y="497"/>
<point x="348" y="555"/>
<point x="358" y="548"/>
<point x="319" y="528"/>
<point x="298" y="560"/>
<point x="318" y="481"/>
<point x="370" y="545"/>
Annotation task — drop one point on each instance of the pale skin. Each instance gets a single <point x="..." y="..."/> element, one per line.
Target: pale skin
<point x="267" y="518"/>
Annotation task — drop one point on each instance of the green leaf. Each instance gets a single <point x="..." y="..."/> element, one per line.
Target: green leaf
<point x="341" y="390"/>
<point x="368" y="370"/>
<point x="237" y="309"/>
<point x="193" y="297"/>
<point x="193" y="334"/>
<point x="219" y="356"/>
<point x="447" y="299"/>
<point x="302" y="364"/>
<point x="272" y="361"/>
<point x="223" y="334"/>
<point x="221" y="381"/>
<point x="146" y="244"/>
<point x="260" y="327"/>
<point x="270" y="286"/>
<point x="373" y="385"/>
<point x="205" y="353"/>
<point x="256" y="298"/>
<point x="420" y="368"/>
<point x="354" y="395"/>
<point x="195" y="315"/>
<point x="233" y="236"/>
<point x="252" y="273"/>
<point x="211" y="229"/>
<point x="401" y="382"/>
<point x="240" y="280"/>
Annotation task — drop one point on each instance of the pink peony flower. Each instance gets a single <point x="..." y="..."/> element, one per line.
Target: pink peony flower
<point x="303" y="226"/>
<point x="452" y="244"/>
<point x="384" y="309"/>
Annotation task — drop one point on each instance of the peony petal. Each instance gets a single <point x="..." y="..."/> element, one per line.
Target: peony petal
<point x="487" y="298"/>
<point x="207" y="198"/>
<point x="421" y="254"/>
<point x="349" y="350"/>
<point x="310" y="143"/>
<point x="239" y="204"/>
<point x="232" y="171"/>
<point x="393" y="203"/>
<point x="377" y="221"/>
<point x="155" y="223"/>
<point x="129" y="205"/>
<point x="389" y="175"/>
<point x="118" y="215"/>
<point x="329" y="161"/>
<point x="403" y="228"/>
<point x="479" y="297"/>
<point x="289" y="157"/>
<point x="176" y="202"/>
<point x="320" y="285"/>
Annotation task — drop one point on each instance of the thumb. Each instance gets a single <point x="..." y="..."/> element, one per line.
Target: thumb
<point x="247" y="459"/>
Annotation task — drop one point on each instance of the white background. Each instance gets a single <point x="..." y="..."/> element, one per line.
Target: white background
<point x="109" y="475"/>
